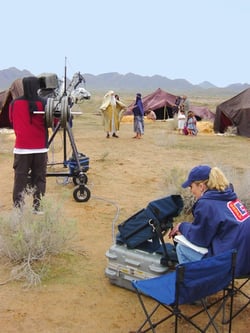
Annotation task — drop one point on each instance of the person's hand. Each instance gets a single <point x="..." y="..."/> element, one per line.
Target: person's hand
<point x="174" y="231"/>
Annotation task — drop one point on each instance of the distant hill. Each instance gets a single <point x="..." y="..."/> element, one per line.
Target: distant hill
<point x="7" y="76"/>
<point x="206" y="85"/>
<point x="133" y="82"/>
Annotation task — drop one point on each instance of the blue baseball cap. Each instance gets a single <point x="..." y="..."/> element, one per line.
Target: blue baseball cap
<point x="200" y="172"/>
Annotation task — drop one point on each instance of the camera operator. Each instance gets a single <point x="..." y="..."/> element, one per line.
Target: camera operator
<point x="31" y="144"/>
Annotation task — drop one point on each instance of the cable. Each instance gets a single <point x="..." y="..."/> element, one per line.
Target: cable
<point x="115" y="217"/>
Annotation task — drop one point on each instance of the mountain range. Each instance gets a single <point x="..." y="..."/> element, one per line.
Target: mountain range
<point x="131" y="82"/>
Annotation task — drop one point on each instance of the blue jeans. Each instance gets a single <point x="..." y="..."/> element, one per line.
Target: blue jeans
<point x="185" y="254"/>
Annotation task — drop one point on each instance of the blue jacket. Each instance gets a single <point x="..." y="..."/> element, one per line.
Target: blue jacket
<point x="138" y="109"/>
<point x="221" y="222"/>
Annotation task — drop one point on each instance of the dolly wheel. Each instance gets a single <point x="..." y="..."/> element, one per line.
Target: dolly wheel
<point x="81" y="194"/>
<point x="77" y="181"/>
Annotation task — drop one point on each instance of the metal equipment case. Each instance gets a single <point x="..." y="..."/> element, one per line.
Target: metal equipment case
<point x="125" y="265"/>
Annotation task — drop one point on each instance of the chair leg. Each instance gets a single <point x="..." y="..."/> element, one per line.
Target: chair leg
<point x="234" y="291"/>
<point x="153" y="324"/>
<point x="148" y="316"/>
<point x="211" y="317"/>
<point x="231" y="313"/>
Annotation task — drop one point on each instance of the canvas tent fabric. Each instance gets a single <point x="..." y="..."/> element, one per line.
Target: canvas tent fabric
<point x="234" y="112"/>
<point x="15" y="90"/>
<point x="202" y="112"/>
<point x="159" y="101"/>
<point x="162" y="103"/>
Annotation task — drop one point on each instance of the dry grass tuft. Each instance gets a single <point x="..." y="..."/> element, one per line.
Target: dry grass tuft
<point x="28" y="239"/>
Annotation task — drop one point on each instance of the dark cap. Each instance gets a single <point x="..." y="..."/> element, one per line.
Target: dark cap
<point x="200" y="172"/>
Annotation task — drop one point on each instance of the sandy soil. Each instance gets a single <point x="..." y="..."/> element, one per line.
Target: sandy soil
<point x="125" y="174"/>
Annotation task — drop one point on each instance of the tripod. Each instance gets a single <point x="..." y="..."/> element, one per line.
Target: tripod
<point x="77" y="165"/>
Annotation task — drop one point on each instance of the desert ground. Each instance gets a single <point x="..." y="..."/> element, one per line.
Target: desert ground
<point x="125" y="174"/>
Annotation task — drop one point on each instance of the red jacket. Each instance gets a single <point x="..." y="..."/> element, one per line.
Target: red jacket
<point x="30" y="129"/>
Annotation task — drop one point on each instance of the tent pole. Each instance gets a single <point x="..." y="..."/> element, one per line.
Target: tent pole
<point x="164" y="119"/>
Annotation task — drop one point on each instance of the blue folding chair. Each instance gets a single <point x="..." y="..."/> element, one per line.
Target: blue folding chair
<point x="189" y="283"/>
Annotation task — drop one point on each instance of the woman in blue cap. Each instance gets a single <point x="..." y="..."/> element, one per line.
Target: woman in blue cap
<point x="221" y="222"/>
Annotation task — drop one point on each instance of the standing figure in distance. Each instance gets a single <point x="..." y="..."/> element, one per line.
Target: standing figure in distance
<point x="120" y="107"/>
<point x="181" y="120"/>
<point x="178" y="104"/>
<point x="112" y="109"/>
<point x="186" y="105"/>
<point x="138" y="112"/>
<point x="31" y="144"/>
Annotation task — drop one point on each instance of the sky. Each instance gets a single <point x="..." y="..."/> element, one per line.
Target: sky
<point x="196" y="40"/>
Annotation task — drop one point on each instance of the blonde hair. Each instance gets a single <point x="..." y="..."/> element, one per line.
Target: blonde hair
<point x="217" y="180"/>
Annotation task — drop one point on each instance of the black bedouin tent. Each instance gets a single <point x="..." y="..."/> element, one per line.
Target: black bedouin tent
<point x="6" y="96"/>
<point x="160" y="101"/>
<point x="234" y="112"/>
<point x="164" y="106"/>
